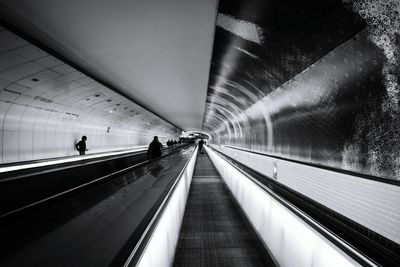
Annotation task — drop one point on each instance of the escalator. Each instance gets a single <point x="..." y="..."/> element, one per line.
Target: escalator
<point x="95" y="225"/>
<point x="184" y="209"/>
<point x="23" y="188"/>
<point x="214" y="232"/>
<point x="218" y="215"/>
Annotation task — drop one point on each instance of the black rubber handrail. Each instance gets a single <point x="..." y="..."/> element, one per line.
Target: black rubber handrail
<point x="8" y="215"/>
<point x="71" y="190"/>
<point x="140" y="246"/>
<point x="38" y="170"/>
<point x="27" y="172"/>
<point x="99" y="154"/>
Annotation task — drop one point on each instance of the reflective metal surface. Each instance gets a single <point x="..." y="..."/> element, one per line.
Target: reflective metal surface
<point x="308" y="81"/>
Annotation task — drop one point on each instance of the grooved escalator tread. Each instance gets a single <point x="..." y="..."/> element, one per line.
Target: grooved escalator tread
<point x="213" y="233"/>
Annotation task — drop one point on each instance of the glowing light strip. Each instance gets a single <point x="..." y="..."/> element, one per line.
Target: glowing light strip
<point x="165" y="220"/>
<point x="275" y="223"/>
<point x="244" y="29"/>
<point x="66" y="160"/>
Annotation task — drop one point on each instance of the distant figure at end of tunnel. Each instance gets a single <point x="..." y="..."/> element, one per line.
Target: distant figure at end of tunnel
<point x="81" y="146"/>
<point x="201" y="143"/>
<point x="154" y="150"/>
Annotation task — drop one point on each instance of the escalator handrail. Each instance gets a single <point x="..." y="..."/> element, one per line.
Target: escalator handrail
<point x="76" y="188"/>
<point x="4" y="167"/>
<point x="140" y="246"/>
<point x="360" y="175"/>
<point x="18" y="173"/>
<point x="336" y="240"/>
<point x="81" y="186"/>
<point x="78" y="161"/>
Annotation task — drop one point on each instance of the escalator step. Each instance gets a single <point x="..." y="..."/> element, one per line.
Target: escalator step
<point x="213" y="233"/>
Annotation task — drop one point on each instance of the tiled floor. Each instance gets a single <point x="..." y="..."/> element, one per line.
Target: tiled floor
<point x="213" y="233"/>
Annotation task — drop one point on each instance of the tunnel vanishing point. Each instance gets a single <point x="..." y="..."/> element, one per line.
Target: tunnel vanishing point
<point x="298" y="103"/>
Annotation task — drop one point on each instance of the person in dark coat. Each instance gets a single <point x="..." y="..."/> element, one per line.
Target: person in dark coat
<point x="81" y="146"/>
<point x="154" y="150"/>
<point x="169" y="143"/>
<point x="201" y="143"/>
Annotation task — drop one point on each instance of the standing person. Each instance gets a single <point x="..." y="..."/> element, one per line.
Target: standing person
<point x="201" y="143"/>
<point x="154" y="150"/>
<point x="81" y="146"/>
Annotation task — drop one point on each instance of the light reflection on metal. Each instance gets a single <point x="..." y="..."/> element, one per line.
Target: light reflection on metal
<point x="245" y="29"/>
<point x="318" y="116"/>
<point x="68" y="160"/>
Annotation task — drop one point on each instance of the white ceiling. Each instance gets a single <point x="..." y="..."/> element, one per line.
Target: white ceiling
<point x="157" y="52"/>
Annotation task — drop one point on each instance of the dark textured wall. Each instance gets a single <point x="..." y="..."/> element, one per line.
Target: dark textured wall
<point x="311" y="81"/>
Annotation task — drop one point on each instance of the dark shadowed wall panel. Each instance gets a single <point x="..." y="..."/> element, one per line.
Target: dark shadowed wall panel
<point x="311" y="81"/>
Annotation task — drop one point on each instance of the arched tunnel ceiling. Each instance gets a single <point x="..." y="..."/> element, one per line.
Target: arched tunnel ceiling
<point x="260" y="45"/>
<point x="313" y="81"/>
<point x="42" y="98"/>
<point x="156" y="52"/>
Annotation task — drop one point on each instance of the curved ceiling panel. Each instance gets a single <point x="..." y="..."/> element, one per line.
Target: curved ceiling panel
<point x="259" y="45"/>
<point x="156" y="52"/>
<point x="46" y="106"/>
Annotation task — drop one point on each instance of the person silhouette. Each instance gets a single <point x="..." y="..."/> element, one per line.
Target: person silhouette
<point x="201" y="143"/>
<point x="154" y="150"/>
<point x="81" y="146"/>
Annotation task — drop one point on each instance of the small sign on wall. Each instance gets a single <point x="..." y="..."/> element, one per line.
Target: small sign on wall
<point x="275" y="170"/>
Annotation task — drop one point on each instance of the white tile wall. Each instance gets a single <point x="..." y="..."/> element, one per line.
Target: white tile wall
<point x="20" y="71"/>
<point x="10" y="60"/>
<point x="25" y="151"/>
<point x="10" y="41"/>
<point x="30" y="52"/>
<point x="63" y="69"/>
<point x="48" y="61"/>
<point x="16" y="88"/>
<point x="370" y="203"/>
<point x="85" y="81"/>
<point x="44" y="119"/>
<point x="1" y="146"/>
<point x="13" y="117"/>
<point x="42" y="77"/>
<point x="10" y="146"/>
